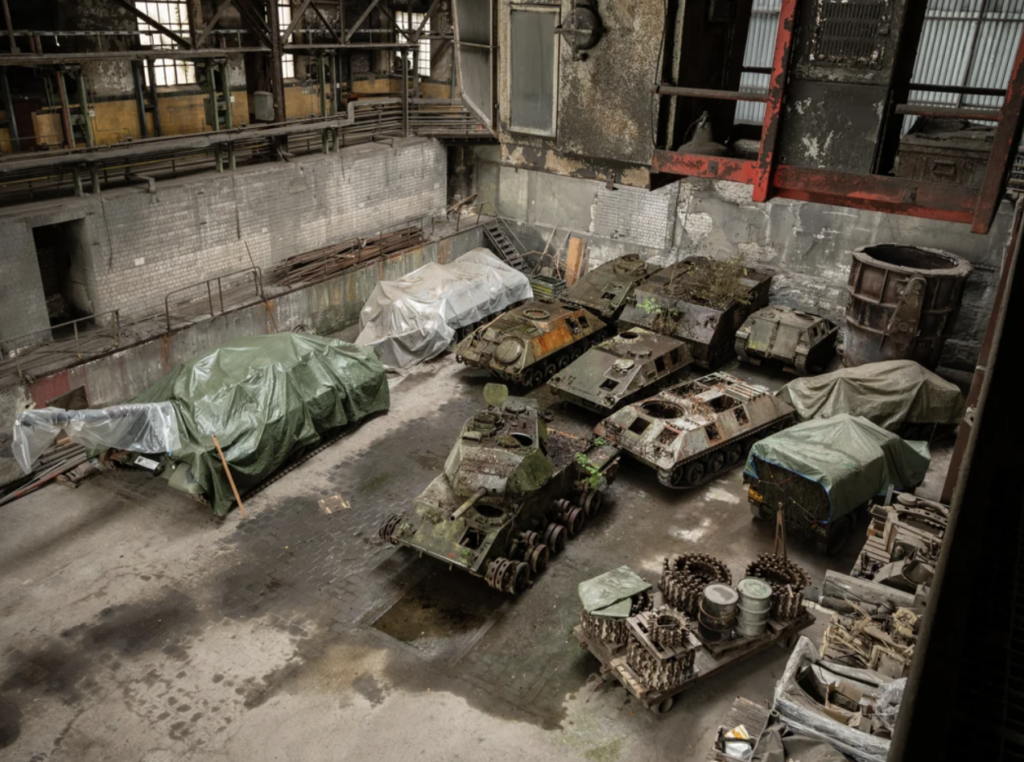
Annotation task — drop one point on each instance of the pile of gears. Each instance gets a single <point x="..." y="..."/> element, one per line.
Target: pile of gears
<point x="684" y="577"/>
<point x="788" y="581"/>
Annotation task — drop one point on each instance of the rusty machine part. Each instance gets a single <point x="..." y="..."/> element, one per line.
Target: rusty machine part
<point x="903" y="303"/>
<point x="716" y="614"/>
<point x="508" y="576"/>
<point x="666" y="627"/>
<point x="659" y="674"/>
<point x="684" y="577"/>
<point x="788" y="581"/>
<point x="612" y="630"/>
<point x="693" y="432"/>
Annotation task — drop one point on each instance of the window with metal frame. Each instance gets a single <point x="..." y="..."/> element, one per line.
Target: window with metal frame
<point x="410" y="22"/>
<point x="533" y="69"/>
<point x="168" y="72"/>
<point x="284" y="19"/>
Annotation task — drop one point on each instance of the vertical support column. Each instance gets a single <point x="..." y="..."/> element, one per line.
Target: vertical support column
<point x="94" y="178"/>
<point x="334" y="82"/>
<point x="211" y="90"/>
<point x="225" y="83"/>
<point x="321" y="81"/>
<point x="8" y="104"/>
<point x="765" y="167"/>
<point x="83" y="104"/>
<point x="65" y="110"/>
<point x="140" y="98"/>
<point x="151" y="68"/>
<point x="1004" y="147"/>
<point x="277" y="70"/>
<point x="405" y="92"/>
<point x="10" y="26"/>
<point x="453" y="65"/>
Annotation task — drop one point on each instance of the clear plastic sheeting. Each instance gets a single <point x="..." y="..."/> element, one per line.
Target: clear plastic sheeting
<point x="147" y="427"/>
<point x="878" y="695"/>
<point x="413" y="319"/>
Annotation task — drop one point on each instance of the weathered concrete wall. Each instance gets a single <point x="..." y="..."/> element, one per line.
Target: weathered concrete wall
<point x="144" y="245"/>
<point x="323" y="308"/>
<point x="806" y="245"/>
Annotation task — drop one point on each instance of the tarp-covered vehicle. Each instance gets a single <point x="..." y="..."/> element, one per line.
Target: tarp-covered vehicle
<point x="890" y="393"/>
<point x="819" y="472"/>
<point x="417" y="317"/>
<point x="266" y="399"/>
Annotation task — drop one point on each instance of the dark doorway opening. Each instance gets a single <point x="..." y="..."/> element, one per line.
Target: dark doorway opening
<point x="61" y="252"/>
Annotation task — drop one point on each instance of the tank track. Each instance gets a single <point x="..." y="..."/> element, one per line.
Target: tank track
<point x="788" y="581"/>
<point x="665" y="477"/>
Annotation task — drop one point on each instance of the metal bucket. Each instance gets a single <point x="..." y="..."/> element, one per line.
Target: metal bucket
<point x="717" y="613"/>
<point x="903" y="303"/>
<point x="754" y="606"/>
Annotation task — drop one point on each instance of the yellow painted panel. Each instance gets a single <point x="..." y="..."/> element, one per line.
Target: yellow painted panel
<point x="5" y="136"/>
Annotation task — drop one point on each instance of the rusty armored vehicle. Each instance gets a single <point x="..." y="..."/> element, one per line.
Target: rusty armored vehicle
<point x="606" y="289"/>
<point x="701" y="301"/>
<point x="510" y="496"/>
<point x="693" y="432"/>
<point x="530" y="343"/>
<point x="621" y="369"/>
<point x="798" y="340"/>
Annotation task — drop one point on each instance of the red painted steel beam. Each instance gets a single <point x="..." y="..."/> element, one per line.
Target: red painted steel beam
<point x="773" y="108"/>
<point x="876" y="193"/>
<point x="1004" y="146"/>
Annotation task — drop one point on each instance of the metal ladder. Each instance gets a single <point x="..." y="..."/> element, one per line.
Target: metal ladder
<point x="502" y="243"/>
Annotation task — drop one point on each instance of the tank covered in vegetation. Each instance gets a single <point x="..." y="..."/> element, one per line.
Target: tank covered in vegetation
<point x="510" y="496"/>
<point x="606" y="289"/>
<point x="621" y="369"/>
<point x="701" y="301"/>
<point x="692" y="432"/>
<point x="797" y="339"/>
<point x="530" y="343"/>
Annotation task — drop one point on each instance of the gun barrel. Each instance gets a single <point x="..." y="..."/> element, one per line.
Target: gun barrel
<point x="468" y="504"/>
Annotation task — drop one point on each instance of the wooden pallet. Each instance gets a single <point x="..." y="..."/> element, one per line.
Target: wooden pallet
<point x="705" y="664"/>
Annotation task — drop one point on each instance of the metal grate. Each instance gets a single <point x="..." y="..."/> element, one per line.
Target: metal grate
<point x="852" y="33"/>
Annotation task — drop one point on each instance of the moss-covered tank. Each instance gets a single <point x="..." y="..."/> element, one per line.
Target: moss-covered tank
<point x="701" y="301"/>
<point x="622" y="368"/>
<point x="799" y="340"/>
<point x="606" y="289"/>
<point x="693" y="432"/>
<point x="510" y="495"/>
<point x="529" y="344"/>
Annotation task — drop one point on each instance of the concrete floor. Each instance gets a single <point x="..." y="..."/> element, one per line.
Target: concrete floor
<point x="136" y="626"/>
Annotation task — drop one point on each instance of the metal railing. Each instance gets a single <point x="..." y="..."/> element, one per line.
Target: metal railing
<point x="28" y="354"/>
<point x="494" y="213"/>
<point x="257" y="279"/>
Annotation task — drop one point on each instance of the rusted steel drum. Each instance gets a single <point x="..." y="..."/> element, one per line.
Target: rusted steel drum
<point x="716" y="615"/>
<point x="903" y="303"/>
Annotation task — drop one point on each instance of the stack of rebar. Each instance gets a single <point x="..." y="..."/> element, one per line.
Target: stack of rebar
<point x="321" y="264"/>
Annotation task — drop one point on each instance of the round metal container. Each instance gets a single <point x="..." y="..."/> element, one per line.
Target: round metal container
<point x="903" y="303"/>
<point x="717" y="613"/>
<point x="755" y="606"/>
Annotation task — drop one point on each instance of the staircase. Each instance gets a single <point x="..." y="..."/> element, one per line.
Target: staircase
<point x="502" y="243"/>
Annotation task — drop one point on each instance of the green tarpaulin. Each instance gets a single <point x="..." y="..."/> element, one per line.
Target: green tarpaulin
<point x="851" y="457"/>
<point x="888" y="393"/>
<point x="266" y="398"/>
<point x="610" y="594"/>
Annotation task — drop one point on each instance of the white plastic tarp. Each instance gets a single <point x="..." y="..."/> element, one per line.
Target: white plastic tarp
<point x="415" y="318"/>
<point x="144" y="427"/>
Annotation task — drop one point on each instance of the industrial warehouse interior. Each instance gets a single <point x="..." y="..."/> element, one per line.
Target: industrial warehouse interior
<point x="591" y="380"/>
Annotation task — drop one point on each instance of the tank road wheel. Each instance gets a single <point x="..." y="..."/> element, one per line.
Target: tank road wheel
<point x="535" y="378"/>
<point x="387" y="531"/>
<point x="538" y="558"/>
<point x="665" y="704"/>
<point x="671" y="478"/>
<point x="564" y="361"/>
<point x="693" y="473"/>
<point x="554" y="538"/>
<point x="716" y="462"/>
<point x="518" y="578"/>
<point x="550" y="369"/>
<point x="733" y="454"/>
<point x="591" y="502"/>
<point x="575" y="353"/>
<point x="496" y="572"/>
<point x="575" y="520"/>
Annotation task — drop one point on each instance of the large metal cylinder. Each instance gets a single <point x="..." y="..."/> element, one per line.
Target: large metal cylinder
<point x="754" y="606"/>
<point x="903" y="303"/>
<point x="717" y="613"/>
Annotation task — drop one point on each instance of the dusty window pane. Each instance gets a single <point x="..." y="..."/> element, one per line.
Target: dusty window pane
<point x="532" y="71"/>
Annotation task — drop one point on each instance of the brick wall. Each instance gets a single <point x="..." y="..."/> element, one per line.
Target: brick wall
<point x="142" y="246"/>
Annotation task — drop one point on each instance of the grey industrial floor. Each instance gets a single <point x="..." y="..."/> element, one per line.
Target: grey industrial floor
<point x="136" y="626"/>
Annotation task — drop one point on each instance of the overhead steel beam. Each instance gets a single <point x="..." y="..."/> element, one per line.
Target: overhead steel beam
<point x="394" y="22"/>
<point x="359" y="21"/>
<point x="252" y="17"/>
<point x="773" y="108"/>
<point x="130" y="7"/>
<point x="212" y="22"/>
<point x="327" y="23"/>
<point x="426" y="18"/>
<point x="296" y="19"/>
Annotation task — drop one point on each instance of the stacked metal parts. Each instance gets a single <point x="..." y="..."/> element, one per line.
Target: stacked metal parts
<point x="787" y="581"/>
<point x="610" y="630"/>
<point x="661" y="650"/>
<point x="684" y="577"/>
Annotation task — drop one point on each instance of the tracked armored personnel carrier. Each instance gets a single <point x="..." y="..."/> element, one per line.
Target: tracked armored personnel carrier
<point x="510" y="495"/>
<point x="700" y="301"/>
<point x="693" y="432"/>
<point x="621" y="369"/>
<point x="530" y="343"/>
<point x="606" y="289"/>
<point x="798" y="340"/>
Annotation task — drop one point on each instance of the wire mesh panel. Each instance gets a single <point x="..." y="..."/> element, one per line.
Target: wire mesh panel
<point x="760" y="50"/>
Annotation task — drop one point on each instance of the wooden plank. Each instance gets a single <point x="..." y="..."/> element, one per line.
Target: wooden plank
<point x="574" y="260"/>
<point x="857" y="590"/>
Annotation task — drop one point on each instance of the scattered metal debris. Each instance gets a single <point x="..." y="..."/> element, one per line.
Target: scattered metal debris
<point x="320" y="264"/>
